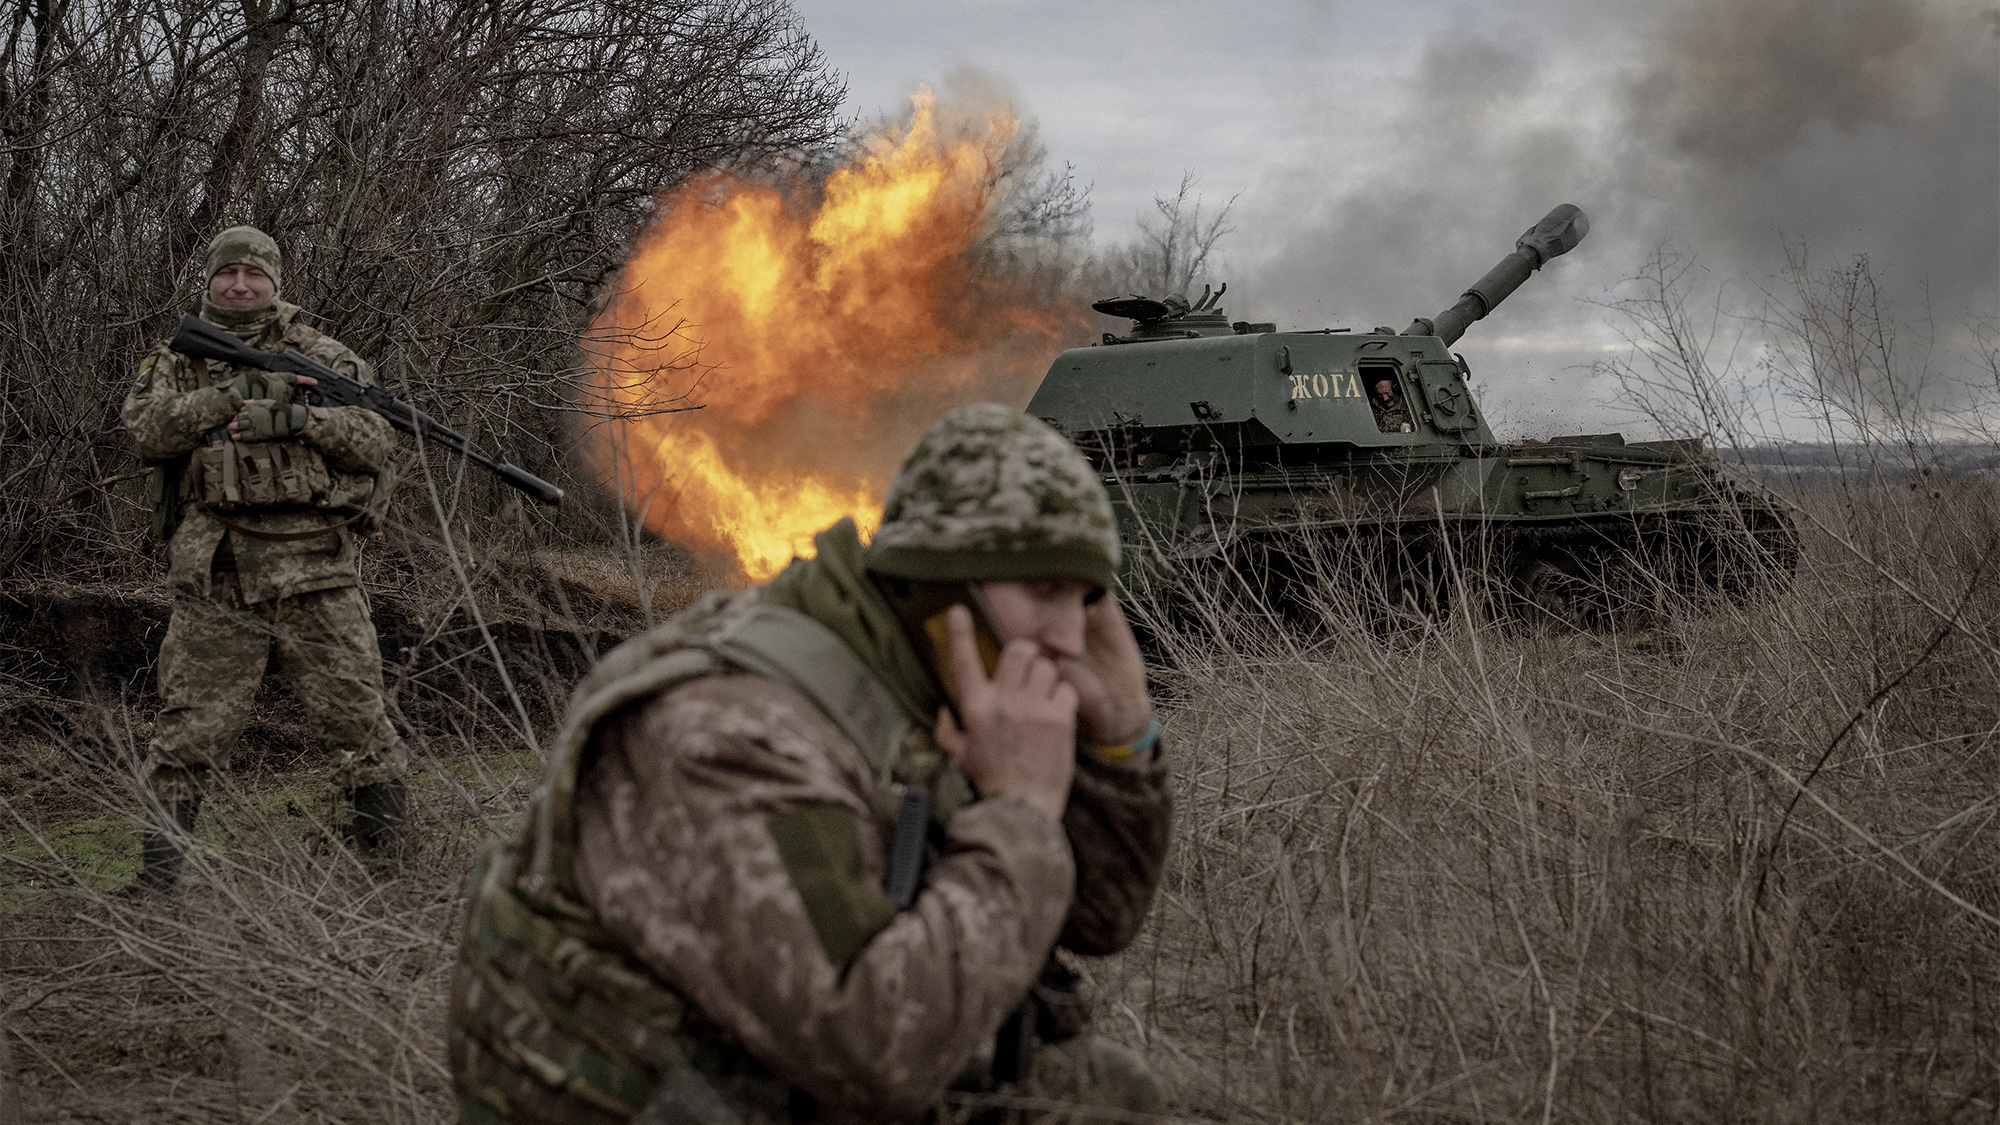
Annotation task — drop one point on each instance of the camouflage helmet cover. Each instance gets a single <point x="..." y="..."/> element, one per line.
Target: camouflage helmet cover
<point x="989" y="493"/>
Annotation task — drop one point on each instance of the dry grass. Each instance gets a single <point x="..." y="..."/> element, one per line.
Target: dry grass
<point x="1507" y="874"/>
<point x="286" y="983"/>
<point x="1474" y="872"/>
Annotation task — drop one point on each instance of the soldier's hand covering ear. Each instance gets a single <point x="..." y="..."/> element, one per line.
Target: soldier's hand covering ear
<point x="263" y="419"/>
<point x="1113" y="708"/>
<point x="1019" y="734"/>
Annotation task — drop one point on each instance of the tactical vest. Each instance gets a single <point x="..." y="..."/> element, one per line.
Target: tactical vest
<point x="552" y="1019"/>
<point x="236" y="476"/>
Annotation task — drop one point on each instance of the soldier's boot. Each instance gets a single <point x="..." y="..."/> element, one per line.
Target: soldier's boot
<point x="161" y="849"/>
<point x="380" y="809"/>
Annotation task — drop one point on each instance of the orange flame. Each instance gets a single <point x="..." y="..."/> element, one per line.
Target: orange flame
<point x="819" y="338"/>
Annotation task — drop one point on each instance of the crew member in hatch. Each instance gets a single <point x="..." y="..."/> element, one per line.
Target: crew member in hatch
<point x="1392" y="416"/>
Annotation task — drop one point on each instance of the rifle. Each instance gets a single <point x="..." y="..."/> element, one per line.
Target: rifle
<point x="197" y="337"/>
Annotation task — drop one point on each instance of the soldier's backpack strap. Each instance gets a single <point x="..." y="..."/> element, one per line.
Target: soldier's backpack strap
<point x="785" y="645"/>
<point x="642" y="667"/>
<point x="771" y="641"/>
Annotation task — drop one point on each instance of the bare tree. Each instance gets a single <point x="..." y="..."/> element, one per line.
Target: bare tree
<point x="1680" y="370"/>
<point x="1036" y="210"/>
<point x="1038" y="228"/>
<point x="451" y="181"/>
<point x="1173" y="247"/>
<point x="1823" y="356"/>
<point x="1839" y="348"/>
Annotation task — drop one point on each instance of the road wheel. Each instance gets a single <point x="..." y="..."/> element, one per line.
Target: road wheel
<point x="1545" y="592"/>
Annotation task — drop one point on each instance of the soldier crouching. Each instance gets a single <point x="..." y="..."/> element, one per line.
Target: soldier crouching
<point x="770" y="877"/>
<point x="258" y="496"/>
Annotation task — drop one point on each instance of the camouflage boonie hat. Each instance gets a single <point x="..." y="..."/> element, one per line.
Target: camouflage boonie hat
<point x="246" y="246"/>
<point x="989" y="493"/>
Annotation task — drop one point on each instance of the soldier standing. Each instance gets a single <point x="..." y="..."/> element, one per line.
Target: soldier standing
<point x="714" y="913"/>
<point x="258" y="496"/>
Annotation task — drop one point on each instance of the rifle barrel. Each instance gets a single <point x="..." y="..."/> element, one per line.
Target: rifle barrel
<point x="197" y="337"/>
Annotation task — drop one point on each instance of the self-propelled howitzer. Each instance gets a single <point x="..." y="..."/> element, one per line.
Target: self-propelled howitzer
<point x="1291" y="463"/>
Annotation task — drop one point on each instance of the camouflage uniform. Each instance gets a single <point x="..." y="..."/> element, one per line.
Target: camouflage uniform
<point x="251" y="579"/>
<point x="692" y="925"/>
<point x="1393" y="416"/>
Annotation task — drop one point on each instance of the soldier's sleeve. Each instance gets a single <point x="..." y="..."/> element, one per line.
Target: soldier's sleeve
<point x="353" y="439"/>
<point x="166" y="421"/>
<point x="686" y="817"/>
<point x="1119" y="820"/>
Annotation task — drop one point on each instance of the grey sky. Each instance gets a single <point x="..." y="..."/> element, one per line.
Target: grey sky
<point x="1387" y="154"/>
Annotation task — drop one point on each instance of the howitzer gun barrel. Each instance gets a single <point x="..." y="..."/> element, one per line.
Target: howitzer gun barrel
<point x="1557" y="234"/>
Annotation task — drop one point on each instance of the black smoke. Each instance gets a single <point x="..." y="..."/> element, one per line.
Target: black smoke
<point x="1738" y="131"/>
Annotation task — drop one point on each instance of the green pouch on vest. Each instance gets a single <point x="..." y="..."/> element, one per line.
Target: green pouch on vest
<point x="235" y="476"/>
<point x="820" y="845"/>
